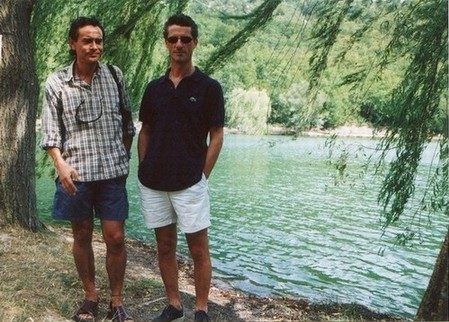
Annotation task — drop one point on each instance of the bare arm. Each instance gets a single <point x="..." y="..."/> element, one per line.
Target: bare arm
<point x="143" y="140"/>
<point x="213" y="151"/>
<point x="65" y="172"/>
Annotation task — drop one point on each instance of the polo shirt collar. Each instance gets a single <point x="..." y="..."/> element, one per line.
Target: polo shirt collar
<point x="195" y="76"/>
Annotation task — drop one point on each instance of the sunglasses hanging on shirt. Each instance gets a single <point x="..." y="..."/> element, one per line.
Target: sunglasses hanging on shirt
<point x="89" y="113"/>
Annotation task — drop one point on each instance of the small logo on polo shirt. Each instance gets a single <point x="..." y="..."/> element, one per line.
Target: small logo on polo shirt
<point x="192" y="99"/>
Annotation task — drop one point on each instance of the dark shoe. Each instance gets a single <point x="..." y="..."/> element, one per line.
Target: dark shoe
<point x="118" y="314"/>
<point x="169" y="314"/>
<point x="201" y="316"/>
<point x="89" y="308"/>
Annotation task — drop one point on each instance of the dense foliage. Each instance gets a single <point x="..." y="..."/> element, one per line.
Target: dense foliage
<point x="247" y="45"/>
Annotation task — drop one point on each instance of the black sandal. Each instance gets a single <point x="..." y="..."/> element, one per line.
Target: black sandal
<point x="118" y="313"/>
<point x="87" y="308"/>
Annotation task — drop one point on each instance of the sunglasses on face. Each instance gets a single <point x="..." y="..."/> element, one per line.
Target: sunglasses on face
<point x="184" y="39"/>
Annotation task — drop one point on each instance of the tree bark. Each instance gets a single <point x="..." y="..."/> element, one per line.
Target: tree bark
<point x="434" y="304"/>
<point x="18" y="103"/>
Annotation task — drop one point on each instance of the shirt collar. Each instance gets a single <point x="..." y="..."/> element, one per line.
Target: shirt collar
<point x="195" y="76"/>
<point x="70" y="75"/>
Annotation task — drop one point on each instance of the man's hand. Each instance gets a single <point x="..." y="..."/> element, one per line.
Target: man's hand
<point x="67" y="175"/>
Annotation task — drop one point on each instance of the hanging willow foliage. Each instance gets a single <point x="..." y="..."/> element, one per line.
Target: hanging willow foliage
<point x="416" y="101"/>
<point x="132" y="31"/>
<point x="133" y="34"/>
<point x="257" y="19"/>
<point x="421" y="34"/>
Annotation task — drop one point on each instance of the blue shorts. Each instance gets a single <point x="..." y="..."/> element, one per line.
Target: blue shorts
<point x="107" y="199"/>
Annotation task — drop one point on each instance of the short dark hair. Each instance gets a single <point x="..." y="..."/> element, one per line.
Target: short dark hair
<point x="81" y="22"/>
<point x="183" y="21"/>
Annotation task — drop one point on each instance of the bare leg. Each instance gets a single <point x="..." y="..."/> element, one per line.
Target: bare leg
<point x="199" y="250"/>
<point x="167" y="240"/>
<point x="114" y="237"/>
<point x="84" y="258"/>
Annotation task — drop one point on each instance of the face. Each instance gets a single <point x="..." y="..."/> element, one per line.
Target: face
<point x="180" y="52"/>
<point x="89" y="45"/>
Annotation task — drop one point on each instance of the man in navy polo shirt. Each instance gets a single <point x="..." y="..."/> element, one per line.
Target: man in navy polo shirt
<point x="182" y="115"/>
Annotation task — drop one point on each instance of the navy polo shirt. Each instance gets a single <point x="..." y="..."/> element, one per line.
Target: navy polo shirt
<point x="179" y="120"/>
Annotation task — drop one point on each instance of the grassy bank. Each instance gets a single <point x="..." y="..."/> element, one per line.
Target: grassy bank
<point x="38" y="282"/>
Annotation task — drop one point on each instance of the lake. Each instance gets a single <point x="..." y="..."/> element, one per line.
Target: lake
<point x="284" y="222"/>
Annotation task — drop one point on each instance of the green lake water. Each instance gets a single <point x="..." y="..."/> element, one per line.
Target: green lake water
<point x="282" y="226"/>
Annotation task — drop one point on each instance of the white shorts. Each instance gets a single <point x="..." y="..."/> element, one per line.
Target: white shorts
<point x="189" y="208"/>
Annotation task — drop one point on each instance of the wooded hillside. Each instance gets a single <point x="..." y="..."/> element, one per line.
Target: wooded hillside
<point x="266" y="76"/>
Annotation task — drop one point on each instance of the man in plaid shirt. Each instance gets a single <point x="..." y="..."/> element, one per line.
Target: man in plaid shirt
<point x="82" y="132"/>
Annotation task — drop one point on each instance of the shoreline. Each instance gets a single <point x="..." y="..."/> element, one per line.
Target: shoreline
<point x="344" y="131"/>
<point x="349" y="130"/>
<point x="356" y="131"/>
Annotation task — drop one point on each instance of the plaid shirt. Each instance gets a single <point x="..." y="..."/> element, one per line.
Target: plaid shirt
<point x="85" y="123"/>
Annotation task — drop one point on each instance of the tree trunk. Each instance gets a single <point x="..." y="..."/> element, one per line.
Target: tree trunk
<point x="18" y="103"/>
<point x="434" y="304"/>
